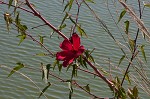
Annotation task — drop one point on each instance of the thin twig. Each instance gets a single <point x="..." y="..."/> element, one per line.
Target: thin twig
<point x="44" y="20"/>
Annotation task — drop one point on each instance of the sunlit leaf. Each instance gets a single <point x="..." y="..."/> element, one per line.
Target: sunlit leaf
<point x="19" y="66"/>
<point x="70" y="86"/>
<point x="49" y="84"/>
<point x="121" y="15"/>
<point x="45" y="71"/>
<point x="22" y="37"/>
<point x="121" y="59"/>
<point x="91" y="1"/>
<point x="146" y="4"/>
<point x="130" y="94"/>
<point x="127" y="23"/>
<point x="132" y="44"/>
<point x="8" y="20"/>
<point x="16" y="1"/>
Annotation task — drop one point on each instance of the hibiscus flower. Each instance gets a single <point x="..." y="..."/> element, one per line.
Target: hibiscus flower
<point x="71" y="49"/>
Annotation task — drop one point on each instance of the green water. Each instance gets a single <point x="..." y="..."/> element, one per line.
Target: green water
<point x="18" y="87"/>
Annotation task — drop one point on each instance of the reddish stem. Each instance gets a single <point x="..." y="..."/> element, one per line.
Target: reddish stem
<point x="44" y="20"/>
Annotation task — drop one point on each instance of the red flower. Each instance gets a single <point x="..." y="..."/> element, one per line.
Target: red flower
<point x="71" y="49"/>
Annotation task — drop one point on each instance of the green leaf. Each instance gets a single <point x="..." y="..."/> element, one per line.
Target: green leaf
<point x="127" y="23"/>
<point x="65" y="17"/>
<point x="121" y="15"/>
<point x="81" y="31"/>
<point x="49" y="84"/>
<point x="72" y="20"/>
<point x="22" y="37"/>
<point x="55" y="63"/>
<point x="91" y="1"/>
<point x="147" y="5"/>
<point x="41" y="54"/>
<point x="87" y="88"/>
<point x="62" y="26"/>
<point x="132" y="44"/>
<point x="48" y="66"/>
<point x="135" y="92"/>
<point x="127" y="77"/>
<point x="19" y="66"/>
<point x="10" y="3"/>
<point x="121" y="59"/>
<point x="74" y="70"/>
<point x="41" y="39"/>
<point x="60" y="67"/>
<point x="70" y="4"/>
<point x="143" y="52"/>
<point x="17" y="20"/>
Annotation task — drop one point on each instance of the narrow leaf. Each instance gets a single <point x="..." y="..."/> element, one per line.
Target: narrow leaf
<point x="121" y="15"/>
<point x="128" y="78"/>
<point x="127" y="23"/>
<point x="22" y="37"/>
<point x="91" y="1"/>
<point x="10" y="3"/>
<point x="41" y="54"/>
<point x="66" y="6"/>
<point x="19" y="66"/>
<point x="132" y="44"/>
<point x="8" y="20"/>
<point x="121" y="59"/>
<point x="41" y="39"/>
<point x="146" y="4"/>
<point x="143" y="52"/>
<point x="49" y="84"/>
<point x="70" y="86"/>
<point x="81" y="31"/>
<point x="135" y="92"/>
<point x="70" y="4"/>
<point x="87" y="88"/>
<point x="48" y="66"/>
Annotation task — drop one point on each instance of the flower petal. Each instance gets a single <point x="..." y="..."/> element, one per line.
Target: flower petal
<point x="61" y="55"/>
<point x="80" y="51"/>
<point x="67" y="62"/>
<point x="75" y="41"/>
<point x="66" y="45"/>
